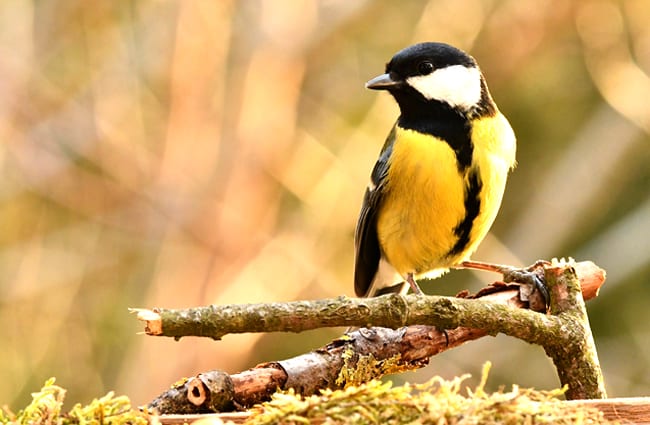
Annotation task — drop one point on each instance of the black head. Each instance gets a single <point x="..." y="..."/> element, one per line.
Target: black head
<point x="424" y="58"/>
<point x="434" y="72"/>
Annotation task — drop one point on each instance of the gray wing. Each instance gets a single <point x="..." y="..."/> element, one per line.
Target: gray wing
<point x="366" y="242"/>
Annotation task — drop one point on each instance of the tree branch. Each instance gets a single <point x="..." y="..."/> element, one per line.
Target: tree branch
<point x="391" y="311"/>
<point x="572" y="346"/>
<point x="499" y="309"/>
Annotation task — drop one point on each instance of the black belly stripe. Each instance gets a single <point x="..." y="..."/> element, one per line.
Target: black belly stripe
<point x="472" y="210"/>
<point x="440" y="120"/>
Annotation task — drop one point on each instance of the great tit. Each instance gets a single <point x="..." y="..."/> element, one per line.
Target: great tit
<point x="437" y="186"/>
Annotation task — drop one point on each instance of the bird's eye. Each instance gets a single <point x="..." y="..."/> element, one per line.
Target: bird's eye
<point x="425" y="68"/>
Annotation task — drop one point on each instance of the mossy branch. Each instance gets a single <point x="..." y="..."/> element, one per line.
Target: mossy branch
<point x="499" y="309"/>
<point x="435" y="401"/>
<point x="391" y="311"/>
<point x="571" y="345"/>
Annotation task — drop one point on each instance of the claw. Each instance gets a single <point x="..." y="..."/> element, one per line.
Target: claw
<point x="444" y="331"/>
<point x="530" y="277"/>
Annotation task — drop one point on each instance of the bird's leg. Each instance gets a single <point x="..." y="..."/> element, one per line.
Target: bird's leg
<point x="416" y="289"/>
<point x="528" y="275"/>
<point x="414" y="286"/>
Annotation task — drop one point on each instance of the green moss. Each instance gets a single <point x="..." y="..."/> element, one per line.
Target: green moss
<point x="46" y="408"/>
<point x="436" y="402"/>
<point x="357" y="370"/>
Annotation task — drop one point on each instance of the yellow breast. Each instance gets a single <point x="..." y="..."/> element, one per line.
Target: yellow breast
<point x="424" y="200"/>
<point x="494" y="154"/>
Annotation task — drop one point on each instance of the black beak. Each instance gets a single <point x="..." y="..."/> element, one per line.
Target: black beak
<point x="383" y="82"/>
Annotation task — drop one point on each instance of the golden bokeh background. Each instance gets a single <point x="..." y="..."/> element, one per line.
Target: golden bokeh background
<point x="174" y="154"/>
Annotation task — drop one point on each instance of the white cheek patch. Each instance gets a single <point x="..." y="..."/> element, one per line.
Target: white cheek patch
<point x="457" y="85"/>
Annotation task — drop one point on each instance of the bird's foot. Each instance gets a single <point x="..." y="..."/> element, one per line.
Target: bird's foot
<point x="444" y="332"/>
<point x="416" y="289"/>
<point x="532" y="276"/>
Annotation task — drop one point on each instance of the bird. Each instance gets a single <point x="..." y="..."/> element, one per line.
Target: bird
<point x="438" y="183"/>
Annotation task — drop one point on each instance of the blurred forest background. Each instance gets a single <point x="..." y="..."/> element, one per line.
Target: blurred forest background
<point x="173" y="154"/>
